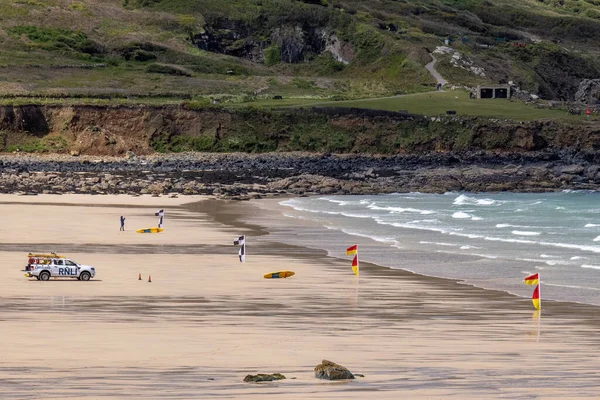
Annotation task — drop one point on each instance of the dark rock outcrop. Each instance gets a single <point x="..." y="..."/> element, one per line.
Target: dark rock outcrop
<point x="588" y="91"/>
<point x="264" y="377"/>
<point x="332" y="371"/>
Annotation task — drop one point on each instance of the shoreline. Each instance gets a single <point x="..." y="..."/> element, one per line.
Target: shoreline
<point x="232" y="214"/>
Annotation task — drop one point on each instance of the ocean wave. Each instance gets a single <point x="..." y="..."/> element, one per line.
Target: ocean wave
<point x="593" y="249"/>
<point x="591" y="225"/>
<point x="468" y="247"/>
<point x="590" y="266"/>
<point x="572" y="286"/>
<point x="576" y="258"/>
<point x="440" y="244"/>
<point x="525" y="233"/>
<point x="380" y="239"/>
<point x="597" y="239"/>
<point x="464" y="199"/>
<point x="353" y="215"/>
<point x="535" y="260"/>
<point x="399" y="210"/>
<point x="497" y="239"/>
<point x="345" y="202"/>
<point x="379" y="221"/>
<point x="467" y="235"/>
<point x="492" y="257"/>
<point x="424" y="221"/>
<point x="464" y="215"/>
<point x="512" y="226"/>
<point x="548" y="256"/>
<point x="461" y="215"/>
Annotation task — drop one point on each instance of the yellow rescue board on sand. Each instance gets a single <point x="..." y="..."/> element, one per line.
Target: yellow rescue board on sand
<point x="150" y="230"/>
<point x="279" y="274"/>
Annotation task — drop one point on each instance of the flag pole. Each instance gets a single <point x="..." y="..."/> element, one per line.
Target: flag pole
<point x="540" y="289"/>
<point x="357" y="264"/>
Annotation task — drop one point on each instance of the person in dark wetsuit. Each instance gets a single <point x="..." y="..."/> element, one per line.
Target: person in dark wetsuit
<point x="122" y="223"/>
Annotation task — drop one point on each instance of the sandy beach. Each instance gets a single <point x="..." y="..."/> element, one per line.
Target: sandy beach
<point x="206" y="320"/>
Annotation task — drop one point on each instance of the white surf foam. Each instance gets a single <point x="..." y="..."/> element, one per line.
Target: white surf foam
<point x="467" y="235"/>
<point x="353" y="215"/>
<point x="590" y="266"/>
<point x="492" y="257"/>
<point x="440" y="244"/>
<point x="409" y="226"/>
<point x="525" y="233"/>
<point x="464" y="199"/>
<point x="461" y="215"/>
<point x="399" y="210"/>
<point x="380" y="239"/>
<point x="591" y="225"/>
<point x="597" y="239"/>
<point x="512" y="226"/>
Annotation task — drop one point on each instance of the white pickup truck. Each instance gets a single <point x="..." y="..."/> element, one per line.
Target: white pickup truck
<point x="48" y="268"/>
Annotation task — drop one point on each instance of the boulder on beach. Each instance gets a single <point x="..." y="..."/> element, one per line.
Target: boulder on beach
<point x="264" y="377"/>
<point x="332" y="371"/>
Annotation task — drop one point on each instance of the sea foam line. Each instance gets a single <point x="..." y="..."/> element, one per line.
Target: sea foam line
<point x="525" y="233"/>
<point x="590" y="266"/>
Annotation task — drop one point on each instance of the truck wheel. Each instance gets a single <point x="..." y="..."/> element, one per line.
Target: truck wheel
<point x="37" y="277"/>
<point x="85" y="276"/>
<point x="44" y="276"/>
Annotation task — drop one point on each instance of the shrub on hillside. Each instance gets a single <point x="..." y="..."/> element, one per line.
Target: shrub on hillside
<point x="57" y="39"/>
<point x="272" y="55"/>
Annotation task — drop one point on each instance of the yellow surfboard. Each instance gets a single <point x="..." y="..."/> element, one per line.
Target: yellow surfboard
<point x="150" y="230"/>
<point x="279" y="274"/>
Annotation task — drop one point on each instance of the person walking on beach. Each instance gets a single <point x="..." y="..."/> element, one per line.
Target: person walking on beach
<point x="122" y="223"/>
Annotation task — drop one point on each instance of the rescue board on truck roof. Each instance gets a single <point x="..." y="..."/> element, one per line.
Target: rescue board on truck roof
<point x="46" y="266"/>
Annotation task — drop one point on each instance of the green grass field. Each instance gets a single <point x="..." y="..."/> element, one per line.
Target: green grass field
<point x="437" y="103"/>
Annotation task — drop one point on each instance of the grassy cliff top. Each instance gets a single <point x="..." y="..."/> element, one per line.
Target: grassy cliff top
<point x="307" y="51"/>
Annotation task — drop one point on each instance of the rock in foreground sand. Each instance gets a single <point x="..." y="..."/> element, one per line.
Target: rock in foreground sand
<point x="264" y="377"/>
<point x="332" y="371"/>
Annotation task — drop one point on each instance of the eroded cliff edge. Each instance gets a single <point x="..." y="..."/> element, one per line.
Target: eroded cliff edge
<point x="251" y="152"/>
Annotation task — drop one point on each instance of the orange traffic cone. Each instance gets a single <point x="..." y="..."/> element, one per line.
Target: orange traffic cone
<point x="149" y="278"/>
<point x="139" y="277"/>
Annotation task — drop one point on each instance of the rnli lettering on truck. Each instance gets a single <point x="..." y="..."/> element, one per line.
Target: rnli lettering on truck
<point x="67" y="271"/>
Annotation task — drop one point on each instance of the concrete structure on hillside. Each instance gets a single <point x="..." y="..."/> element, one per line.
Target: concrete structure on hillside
<point x="493" y="92"/>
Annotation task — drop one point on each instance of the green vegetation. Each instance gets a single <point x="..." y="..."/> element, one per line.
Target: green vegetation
<point x="241" y="53"/>
<point x="48" y="144"/>
<point x="437" y="103"/>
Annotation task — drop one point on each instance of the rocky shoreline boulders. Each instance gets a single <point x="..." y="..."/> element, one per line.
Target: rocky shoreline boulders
<point x="332" y="371"/>
<point x="244" y="176"/>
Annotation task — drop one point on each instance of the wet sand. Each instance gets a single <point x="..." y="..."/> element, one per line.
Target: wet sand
<point x="206" y="320"/>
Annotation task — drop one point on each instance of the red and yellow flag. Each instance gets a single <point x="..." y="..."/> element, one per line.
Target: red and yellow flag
<point x="352" y="250"/>
<point x="355" y="265"/>
<point x="535" y="298"/>
<point x="532" y="279"/>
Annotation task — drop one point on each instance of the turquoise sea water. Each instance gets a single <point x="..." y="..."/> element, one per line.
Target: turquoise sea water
<point x="487" y="240"/>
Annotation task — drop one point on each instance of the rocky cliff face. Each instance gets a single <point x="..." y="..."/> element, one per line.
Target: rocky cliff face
<point x="294" y="42"/>
<point x="414" y="153"/>
<point x="588" y="91"/>
<point x="95" y="130"/>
